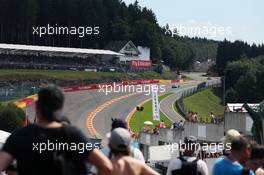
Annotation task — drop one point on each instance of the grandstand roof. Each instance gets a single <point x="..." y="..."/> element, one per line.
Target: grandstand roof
<point x="235" y="107"/>
<point x="52" y="51"/>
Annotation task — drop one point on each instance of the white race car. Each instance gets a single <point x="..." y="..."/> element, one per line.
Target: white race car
<point x="175" y="85"/>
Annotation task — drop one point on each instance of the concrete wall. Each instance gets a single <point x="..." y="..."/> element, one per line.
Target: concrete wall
<point x="240" y="121"/>
<point x="202" y="131"/>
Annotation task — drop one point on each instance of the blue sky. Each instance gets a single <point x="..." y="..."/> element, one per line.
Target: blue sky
<point x="215" y="19"/>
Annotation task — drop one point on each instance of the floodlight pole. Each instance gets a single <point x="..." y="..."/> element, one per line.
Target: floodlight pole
<point x="224" y="102"/>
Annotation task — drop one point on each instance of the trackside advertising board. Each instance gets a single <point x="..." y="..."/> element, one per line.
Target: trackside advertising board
<point x="141" y="63"/>
<point x="155" y="103"/>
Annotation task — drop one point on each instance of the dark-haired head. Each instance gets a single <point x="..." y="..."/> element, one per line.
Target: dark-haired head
<point x="240" y="143"/>
<point x="257" y="152"/>
<point x="50" y="103"/>
<point x="257" y="157"/>
<point x="241" y="149"/>
<point x="118" y="123"/>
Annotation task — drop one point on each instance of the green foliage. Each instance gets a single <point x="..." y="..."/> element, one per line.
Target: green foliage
<point x="138" y="119"/>
<point x="205" y="102"/>
<point x="116" y="21"/>
<point x="81" y="75"/>
<point x="258" y="118"/>
<point x="231" y="95"/>
<point x="245" y="81"/>
<point x="232" y="51"/>
<point x="11" y="117"/>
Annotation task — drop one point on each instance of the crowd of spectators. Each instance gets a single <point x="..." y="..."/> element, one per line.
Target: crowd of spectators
<point x="92" y="63"/>
<point x="147" y="128"/>
<point x="193" y="117"/>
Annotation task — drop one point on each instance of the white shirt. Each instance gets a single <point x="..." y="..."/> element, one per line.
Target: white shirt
<point x="176" y="164"/>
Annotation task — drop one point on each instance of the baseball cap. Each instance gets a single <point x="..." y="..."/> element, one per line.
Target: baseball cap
<point x="120" y="139"/>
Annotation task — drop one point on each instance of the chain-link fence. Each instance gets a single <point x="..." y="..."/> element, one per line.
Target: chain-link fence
<point x="15" y="91"/>
<point x="21" y="88"/>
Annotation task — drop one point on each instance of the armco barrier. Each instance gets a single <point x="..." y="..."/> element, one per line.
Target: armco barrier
<point x="205" y="132"/>
<point x="22" y="103"/>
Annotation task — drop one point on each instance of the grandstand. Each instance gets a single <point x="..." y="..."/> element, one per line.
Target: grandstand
<point x="59" y="58"/>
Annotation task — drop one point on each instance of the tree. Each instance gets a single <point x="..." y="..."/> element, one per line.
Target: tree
<point x="11" y="117"/>
<point x="244" y="81"/>
<point x="231" y="95"/>
<point x="258" y="119"/>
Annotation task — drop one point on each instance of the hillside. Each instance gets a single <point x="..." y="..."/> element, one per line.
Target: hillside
<point x="107" y="20"/>
<point x="204" y="103"/>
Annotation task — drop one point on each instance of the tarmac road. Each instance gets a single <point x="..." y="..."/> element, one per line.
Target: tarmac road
<point x="79" y="104"/>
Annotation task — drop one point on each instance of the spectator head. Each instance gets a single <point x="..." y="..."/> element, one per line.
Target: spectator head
<point x="50" y="103"/>
<point x="230" y="135"/>
<point x="241" y="149"/>
<point x="257" y="157"/>
<point x="190" y="145"/>
<point x="120" y="141"/>
<point x="118" y="123"/>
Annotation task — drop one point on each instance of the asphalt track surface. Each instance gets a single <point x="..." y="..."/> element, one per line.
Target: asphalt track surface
<point x="166" y="106"/>
<point x="79" y="104"/>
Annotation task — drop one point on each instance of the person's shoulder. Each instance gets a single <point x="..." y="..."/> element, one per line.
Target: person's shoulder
<point x="106" y="151"/>
<point x="23" y="130"/>
<point x="259" y="171"/>
<point x="218" y="164"/>
<point x="220" y="160"/>
<point x="72" y="130"/>
<point x="202" y="167"/>
<point x="201" y="162"/>
<point x="175" y="163"/>
<point x="176" y="160"/>
<point x="251" y="172"/>
<point x="132" y="160"/>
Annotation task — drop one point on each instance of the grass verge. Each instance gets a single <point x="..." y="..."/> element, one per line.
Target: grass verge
<point x="186" y="78"/>
<point x="205" y="102"/>
<point x="67" y="74"/>
<point x="138" y="119"/>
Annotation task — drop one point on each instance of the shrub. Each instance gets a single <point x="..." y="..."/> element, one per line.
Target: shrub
<point x="11" y="117"/>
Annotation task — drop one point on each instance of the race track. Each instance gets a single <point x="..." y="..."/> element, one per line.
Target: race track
<point x="80" y="104"/>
